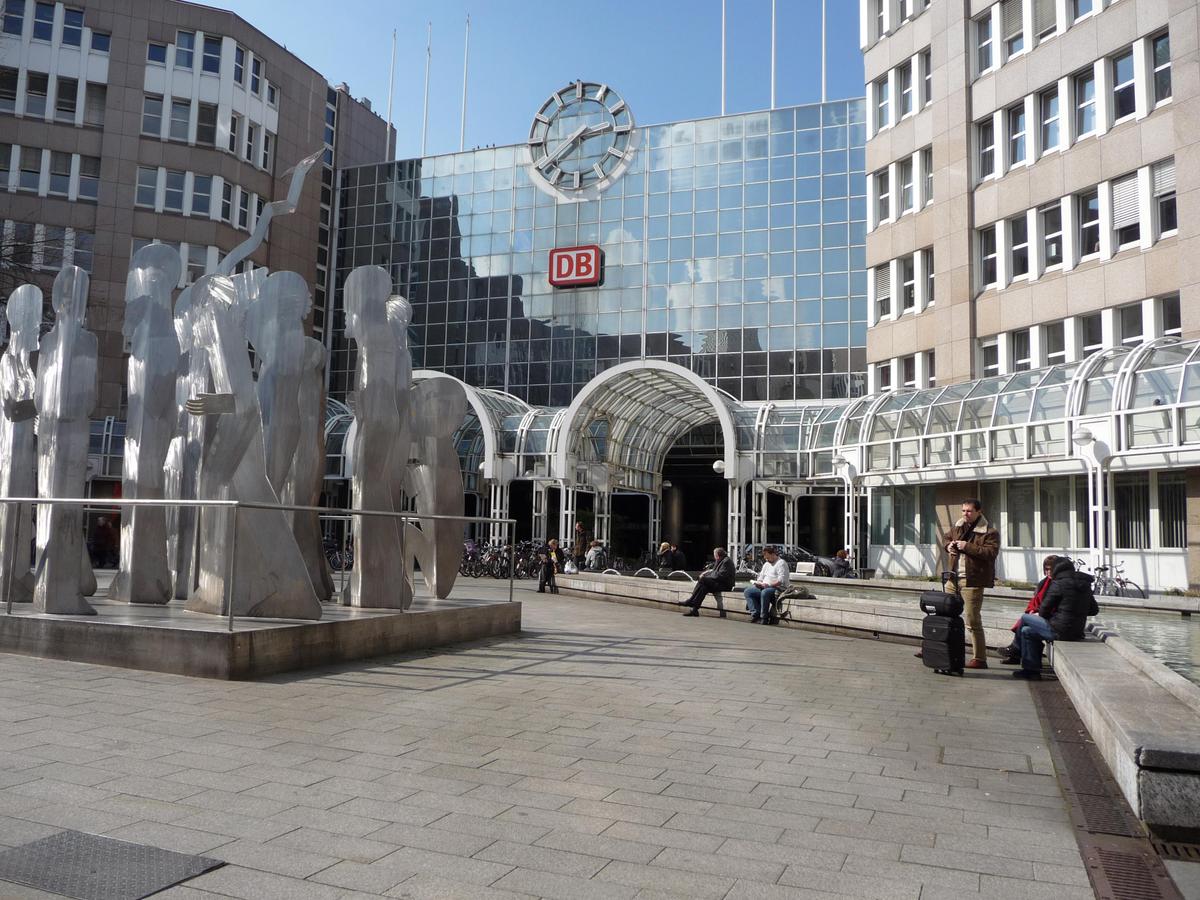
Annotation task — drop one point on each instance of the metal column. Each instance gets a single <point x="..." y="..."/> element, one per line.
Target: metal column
<point x="758" y="514"/>
<point x="498" y="509"/>
<point x="655" y="521"/>
<point x="566" y="517"/>
<point x="540" y="512"/>
<point x="789" y="521"/>
<point x="736" y="520"/>
<point x="603" y="515"/>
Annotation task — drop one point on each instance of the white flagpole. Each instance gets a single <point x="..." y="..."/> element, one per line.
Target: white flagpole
<point x="772" y="54"/>
<point x="462" y="130"/>
<point x="391" y="81"/>
<point x="824" y="83"/>
<point x="425" y="114"/>
<point x="722" y="57"/>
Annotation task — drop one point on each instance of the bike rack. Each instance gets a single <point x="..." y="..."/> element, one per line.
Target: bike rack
<point x="671" y="576"/>
<point x="610" y="572"/>
<point x="650" y="573"/>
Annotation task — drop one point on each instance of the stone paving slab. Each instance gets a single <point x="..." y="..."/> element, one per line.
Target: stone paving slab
<point x="608" y="751"/>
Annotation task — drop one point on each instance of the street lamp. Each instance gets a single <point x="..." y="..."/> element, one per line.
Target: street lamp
<point x="719" y="467"/>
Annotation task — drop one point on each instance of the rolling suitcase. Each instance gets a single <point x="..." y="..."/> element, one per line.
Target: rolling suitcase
<point x="943" y="634"/>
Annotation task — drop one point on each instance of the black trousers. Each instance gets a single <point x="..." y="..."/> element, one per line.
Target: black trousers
<point x="706" y="585"/>
<point x="547" y="578"/>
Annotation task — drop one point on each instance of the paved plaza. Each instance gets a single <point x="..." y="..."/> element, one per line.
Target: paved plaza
<point x="607" y="752"/>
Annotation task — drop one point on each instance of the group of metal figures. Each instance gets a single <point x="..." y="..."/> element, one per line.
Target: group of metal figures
<point x="206" y="422"/>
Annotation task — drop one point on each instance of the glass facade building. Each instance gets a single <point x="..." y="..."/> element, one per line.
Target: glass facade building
<point x="733" y="246"/>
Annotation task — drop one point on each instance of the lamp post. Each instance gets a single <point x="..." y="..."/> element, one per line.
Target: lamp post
<point x="1095" y="455"/>
<point x="849" y="473"/>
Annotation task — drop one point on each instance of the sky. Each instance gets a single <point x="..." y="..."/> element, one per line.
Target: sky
<point x="662" y="56"/>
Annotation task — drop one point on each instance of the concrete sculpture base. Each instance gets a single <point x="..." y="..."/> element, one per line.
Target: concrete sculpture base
<point x="170" y="639"/>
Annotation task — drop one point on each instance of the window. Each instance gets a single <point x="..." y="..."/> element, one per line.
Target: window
<point x="64" y="99"/>
<point x="211" y="61"/>
<point x="881" y="514"/>
<point x="883" y="374"/>
<point x="181" y="113"/>
<point x="1082" y="8"/>
<point x="1048" y="102"/>
<point x="1085" y="103"/>
<point x="908" y="372"/>
<point x="986" y="138"/>
<point x="1161" y="57"/>
<point x="908" y="285"/>
<point x="243" y="209"/>
<point x="883" y="195"/>
<point x="1087" y="211"/>
<point x="185" y="46"/>
<point x="929" y="294"/>
<point x="84" y="250"/>
<point x="255" y="75"/>
<point x="1126" y="224"/>
<point x="147" y="186"/>
<point x="259" y="203"/>
<point x="43" y="21"/>
<point x="272" y="94"/>
<point x="905" y="8"/>
<point x="904" y="171"/>
<point x="1022" y="355"/>
<point x="927" y="168"/>
<point x="1172" y="509"/>
<point x="1021" y="498"/>
<point x="1014" y="27"/>
<point x="904" y="76"/>
<point x="14" y="17"/>
<point x="5" y="165"/>
<point x="927" y="77"/>
<point x="8" y="89"/>
<point x="173" y="195"/>
<point x="89" y="177"/>
<point x="1162" y="183"/>
<point x="883" y="291"/>
<point x="1055" y="507"/>
<point x="201" y="195"/>
<point x="931" y="373"/>
<point x="882" y="116"/>
<point x="1172" y="326"/>
<point x="987" y="257"/>
<point x="235" y="122"/>
<point x="1016" y="134"/>
<point x="1091" y="333"/>
<point x="152" y="109"/>
<point x="983" y="42"/>
<point x="1052" y="235"/>
<point x="239" y="65"/>
<point x="197" y="262"/>
<point x="1018" y="231"/>
<point x="101" y="41"/>
<point x="53" y="242"/>
<point x="23" y="243"/>
<point x="268" y="150"/>
<point x="72" y="33"/>
<point x="1054" y="340"/>
<point x="1124" y="99"/>
<point x="250" y="135"/>
<point x="1132" y="328"/>
<point x="60" y="173"/>
<point x="206" y="125"/>
<point x="31" y="169"/>
<point x="1045" y="23"/>
<point x="156" y="53"/>
<point x="990" y="354"/>
<point x="95" y="99"/>
<point x="1131" y="501"/>
<point x="226" y="202"/>
<point x="35" y="94"/>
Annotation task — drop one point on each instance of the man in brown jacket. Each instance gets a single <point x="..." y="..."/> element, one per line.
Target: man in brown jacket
<point x="972" y="545"/>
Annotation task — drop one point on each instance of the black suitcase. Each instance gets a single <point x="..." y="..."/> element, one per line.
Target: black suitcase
<point x="943" y="634"/>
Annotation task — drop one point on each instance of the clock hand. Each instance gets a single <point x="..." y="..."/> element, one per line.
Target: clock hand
<point x="598" y="129"/>
<point x="566" y="145"/>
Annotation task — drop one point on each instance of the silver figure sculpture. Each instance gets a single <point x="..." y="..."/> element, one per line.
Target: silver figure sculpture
<point x="183" y="458"/>
<point x="380" y="454"/>
<point x="18" y="443"/>
<point x="144" y="576"/>
<point x="66" y="394"/>
<point x="268" y="573"/>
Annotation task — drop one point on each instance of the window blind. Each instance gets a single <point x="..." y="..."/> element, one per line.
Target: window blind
<point x="1163" y="177"/>
<point x="1125" y="202"/>
<point x="1010" y="18"/>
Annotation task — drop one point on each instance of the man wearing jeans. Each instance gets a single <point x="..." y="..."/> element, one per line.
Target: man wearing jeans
<point x="1061" y="617"/>
<point x="772" y="580"/>
<point x="973" y="545"/>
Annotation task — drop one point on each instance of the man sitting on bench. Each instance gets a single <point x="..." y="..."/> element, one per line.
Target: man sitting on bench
<point x="719" y="578"/>
<point x="772" y="581"/>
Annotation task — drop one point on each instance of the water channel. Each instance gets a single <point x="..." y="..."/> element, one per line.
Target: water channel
<point x="1169" y="637"/>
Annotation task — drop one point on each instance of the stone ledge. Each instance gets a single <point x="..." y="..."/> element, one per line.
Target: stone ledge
<point x="1149" y="736"/>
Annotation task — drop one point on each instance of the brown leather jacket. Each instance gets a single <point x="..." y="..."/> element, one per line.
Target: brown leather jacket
<point x="983" y="544"/>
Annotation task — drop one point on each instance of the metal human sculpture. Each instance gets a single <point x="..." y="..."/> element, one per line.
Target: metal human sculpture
<point x="303" y="485"/>
<point x="182" y="467"/>
<point x="380" y="455"/>
<point x="258" y="551"/>
<point x="144" y="576"/>
<point x="66" y="395"/>
<point x="18" y="443"/>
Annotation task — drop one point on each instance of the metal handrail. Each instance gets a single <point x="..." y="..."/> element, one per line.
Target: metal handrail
<point x="234" y="505"/>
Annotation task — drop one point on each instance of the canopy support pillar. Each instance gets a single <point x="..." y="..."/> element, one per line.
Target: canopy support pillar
<point x="498" y="532"/>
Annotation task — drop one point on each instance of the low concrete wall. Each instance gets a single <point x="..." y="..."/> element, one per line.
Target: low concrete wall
<point x="1145" y="720"/>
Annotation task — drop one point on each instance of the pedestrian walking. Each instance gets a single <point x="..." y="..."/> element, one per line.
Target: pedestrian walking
<point x="972" y="546"/>
<point x="551" y="559"/>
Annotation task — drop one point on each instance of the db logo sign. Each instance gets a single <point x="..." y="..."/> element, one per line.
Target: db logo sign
<point x="576" y="266"/>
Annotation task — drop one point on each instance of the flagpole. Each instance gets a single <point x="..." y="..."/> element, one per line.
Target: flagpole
<point x="462" y="131"/>
<point x="428" y="58"/>
<point x="722" y="57"/>
<point x="824" y="70"/>
<point x="391" y="86"/>
<point x="772" y="54"/>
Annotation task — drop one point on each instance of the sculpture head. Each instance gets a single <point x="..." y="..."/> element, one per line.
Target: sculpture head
<point x="70" y="295"/>
<point x="281" y="306"/>
<point x="366" y="296"/>
<point x="153" y="275"/>
<point x="24" y="317"/>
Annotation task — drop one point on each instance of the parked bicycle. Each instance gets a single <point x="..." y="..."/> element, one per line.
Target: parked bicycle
<point x="1114" y="585"/>
<point x="340" y="559"/>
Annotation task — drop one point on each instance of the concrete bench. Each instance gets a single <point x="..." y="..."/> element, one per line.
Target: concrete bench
<point x="1145" y="720"/>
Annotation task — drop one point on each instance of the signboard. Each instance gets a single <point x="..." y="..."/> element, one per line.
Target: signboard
<point x="576" y="266"/>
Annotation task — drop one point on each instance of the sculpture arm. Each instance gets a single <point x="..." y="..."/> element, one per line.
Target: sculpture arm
<point x="211" y="405"/>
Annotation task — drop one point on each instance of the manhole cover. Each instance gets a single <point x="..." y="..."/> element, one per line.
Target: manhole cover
<point x="91" y="867"/>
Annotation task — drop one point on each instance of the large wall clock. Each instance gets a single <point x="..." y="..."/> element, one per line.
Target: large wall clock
<point x="581" y="141"/>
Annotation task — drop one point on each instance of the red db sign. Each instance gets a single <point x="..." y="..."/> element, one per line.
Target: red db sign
<point x="576" y="266"/>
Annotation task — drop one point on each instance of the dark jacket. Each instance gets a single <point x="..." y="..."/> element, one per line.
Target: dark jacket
<point x="1068" y="602"/>
<point x="841" y="568"/>
<point x="678" y="560"/>
<point x="983" y="545"/>
<point x="722" y="574"/>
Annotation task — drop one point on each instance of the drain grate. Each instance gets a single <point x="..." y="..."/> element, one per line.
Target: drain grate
<point x="91" y="867"/>
<point x="1177" y="851"/>
<point x="1129" y="875"/>
<point x="1102" y="816"/>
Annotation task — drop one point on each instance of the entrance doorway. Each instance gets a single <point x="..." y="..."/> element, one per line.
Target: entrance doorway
<point x="630" y="528"/>
<point x="821" y="524"/>
<point x="696" y="505"/>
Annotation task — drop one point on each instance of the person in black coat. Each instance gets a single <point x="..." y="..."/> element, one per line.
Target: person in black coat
<point x="678" y="560"/>
<point x="550" y="556"/>
<point x="720" y="578"/>
<point x="1062" y="616"/>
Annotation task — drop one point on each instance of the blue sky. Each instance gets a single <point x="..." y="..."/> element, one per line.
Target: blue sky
<point x="663" y="56"/>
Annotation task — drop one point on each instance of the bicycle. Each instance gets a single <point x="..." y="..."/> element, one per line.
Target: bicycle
<point x="1115" y="585"/>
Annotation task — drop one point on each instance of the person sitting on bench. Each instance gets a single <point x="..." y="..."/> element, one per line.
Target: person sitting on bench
<point x="772" y="581"/>
<point x="719" y="578"/>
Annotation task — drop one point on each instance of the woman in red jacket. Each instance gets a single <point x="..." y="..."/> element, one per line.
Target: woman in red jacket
<point x="1011" y="655"/>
